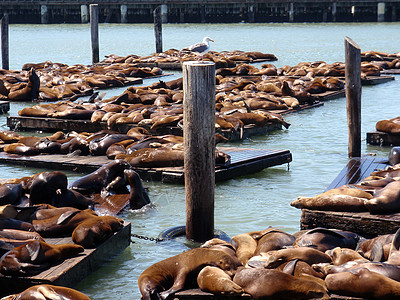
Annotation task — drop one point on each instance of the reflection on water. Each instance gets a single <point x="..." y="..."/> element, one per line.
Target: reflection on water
<point x="317" y="138"/>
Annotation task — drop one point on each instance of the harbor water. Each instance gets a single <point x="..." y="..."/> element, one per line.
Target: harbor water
<point x="317" y="138"/>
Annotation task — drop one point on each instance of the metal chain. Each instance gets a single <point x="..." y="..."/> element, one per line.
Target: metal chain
<point x="147" y="238"/>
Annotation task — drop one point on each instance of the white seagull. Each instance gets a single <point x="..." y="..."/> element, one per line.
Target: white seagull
<point x="201" y="48"/>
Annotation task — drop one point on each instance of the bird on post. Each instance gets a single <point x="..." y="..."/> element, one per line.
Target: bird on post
<point x="202" y="47"/>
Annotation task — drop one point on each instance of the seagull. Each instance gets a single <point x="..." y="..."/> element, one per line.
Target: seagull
<point x="201" y="48"/>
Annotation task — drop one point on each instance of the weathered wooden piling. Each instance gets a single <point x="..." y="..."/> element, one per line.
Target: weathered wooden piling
<point x="158" y="28"/>
<point x="4" y="43"/>
<point x="353" y="95"/>
<point x="199" y="145"/>
<point x="94" y="31"/>
<point x="44" y="14"/>
<point x="381" y="12"/>
<point x="124" y="13"/>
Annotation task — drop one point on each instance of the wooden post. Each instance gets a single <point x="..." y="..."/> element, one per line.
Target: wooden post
<point x="4" y="43"/>
<point x="158" y="28"/>
<point x="94" y="32"/>
<point x="381" y="12"/>
<point x="291" y="12"/>
<point x="84" y="14"/>
<point x="353" y="95"/>
<point x="44" y="14"/>
<point x="199" y="145"/>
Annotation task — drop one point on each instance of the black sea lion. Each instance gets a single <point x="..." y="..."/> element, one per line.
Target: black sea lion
<point x="216" y="281"/>
<point x="108" y="177"/>
<point x="34" y="256"/>
<point x="46" y="187"/>
<point x="46" y="291"/>
<point x="364" y="284"/>
<point x="169" y="275"/>
<point x="273" y="284"/>
<point x="138" y="196"/>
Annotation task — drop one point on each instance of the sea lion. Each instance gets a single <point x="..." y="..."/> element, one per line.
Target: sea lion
<point x="298" y="268"/>
<point x="170" y="275"/>
<point x="47" y="291"/>
<point x="138" y="196"/>
<point x="273" y="284"/>
<point x="311" y="256"/>
<point x="386" y="200"/>
<point x="100" y="146"/>
<point x="20" y="149"/>
<point x="10" y="193"/>
<point x="47" y="186"/>
<point x="364" y="284"/>
<point x="154" y="157"/>
<point x="109" y="177"/>
<point x="273" y="239"/>
<point x="394" y="156"/>
<point x="324" y="239"/>
<point x="224" y="246"/>
<point x="20" y="234"/>
<point x="343" y="255"/>
<point x="94" y="231"/>
<point x="16" y="224"/>
<point x="216" y="281"/>
<point x="245" y="246"/>
<point x="331" y="202"/>
<point x="34" y="256"/>
<point x="390" y="125"/>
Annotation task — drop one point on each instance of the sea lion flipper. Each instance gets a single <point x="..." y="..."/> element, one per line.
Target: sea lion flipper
<point x="290" y="267"/>
<point x="33" y="249"/>
<point x="376" y="252"/>
<point x="395" y="246"/>
<point x="65" y="217"/>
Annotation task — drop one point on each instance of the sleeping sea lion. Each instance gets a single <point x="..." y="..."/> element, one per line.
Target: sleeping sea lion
<point x="169" y="275"/>
<point x="47" y="291"/>
<point x="216" y="281"/>
<point x="386" y="200"/>
<point x="34" y="256"/>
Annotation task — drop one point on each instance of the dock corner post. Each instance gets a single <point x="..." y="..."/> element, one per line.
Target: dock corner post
<point x="124" y="13"/>
<point x="44" y="14"/>
<point x="158" y="28"/>
<point x="84" y="14"/>
<point x="94" y="32"/>
<point x="381" y="12"/>
<point x="4" y="43"/>
<point x="199" y="147"/>
<point x="353" y="95"/>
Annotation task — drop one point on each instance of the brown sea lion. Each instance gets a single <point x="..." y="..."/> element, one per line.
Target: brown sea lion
<point x="245" y="246"/>
<point x="169" y="275"/>
<point x="154" y="157"/>
<point x="273" y="239"/>
<point x="20" y="234"/>
<point x="364" y="284"/>
<point x="21" y="149"/>
<point x="311" y="256"/>
<point x="333" y="202"/>
<point x="16" y="224"/>
<point x="224" y="246"/>
<point x="298" y="268"/>
<point x="273" y="284"/>
<point x="386" y="200"/>
<point x="94" y="231"/>
<point x="343" y="255"/>
<point x="46" y="291"/>
<point x="108" y="177"/>
<point x="10" y="193"/>
<point x="390" y="125"/>
<point x="216" y="281"/>
<point x="34" y="256"/>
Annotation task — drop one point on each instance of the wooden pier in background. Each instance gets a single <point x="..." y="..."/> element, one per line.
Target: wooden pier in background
<point x="71" y="271"/>
<point x="363" y="223"/>
<point x="244" y="161"/>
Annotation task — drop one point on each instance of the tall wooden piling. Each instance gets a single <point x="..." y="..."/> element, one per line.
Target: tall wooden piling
<point x="381" y="12"/>
<point x="84" y="14"/>
<point x="124" y="13"/>
<point x="94" y="32"/>
<point x="353" y="95"/>
<point x="44" y="14"/>
<point x="199" y="145"/>
<point x="4" y="43"/>
<point x="158" y="28"/>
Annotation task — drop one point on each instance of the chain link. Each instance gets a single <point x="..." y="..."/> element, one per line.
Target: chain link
<point x="147" y="238"/>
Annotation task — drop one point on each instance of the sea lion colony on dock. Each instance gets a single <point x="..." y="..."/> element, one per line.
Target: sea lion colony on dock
<point x="272" y="264"/>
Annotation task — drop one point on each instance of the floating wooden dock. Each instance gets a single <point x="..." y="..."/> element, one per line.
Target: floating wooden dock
<point x="243" y="161"/>
<point x="383" y="138"/>
<point x="374" y="80"/>
<point x="363" y="223"/>
<point x="71" y="271"/>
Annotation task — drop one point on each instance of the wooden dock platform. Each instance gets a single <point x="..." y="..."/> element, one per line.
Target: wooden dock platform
<point x="374" y="80"/>
<point x="71" y="271"/>
<point x="383" y="138"/>
<point x="363" y="223"/>
<point x="244" y="161"/>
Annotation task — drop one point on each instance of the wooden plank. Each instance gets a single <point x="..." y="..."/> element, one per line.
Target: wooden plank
<point x="374" y="80"/>
<point x="73" y="270"/>
<point x="391" y="72"/>
<point x="383" y="138"/>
